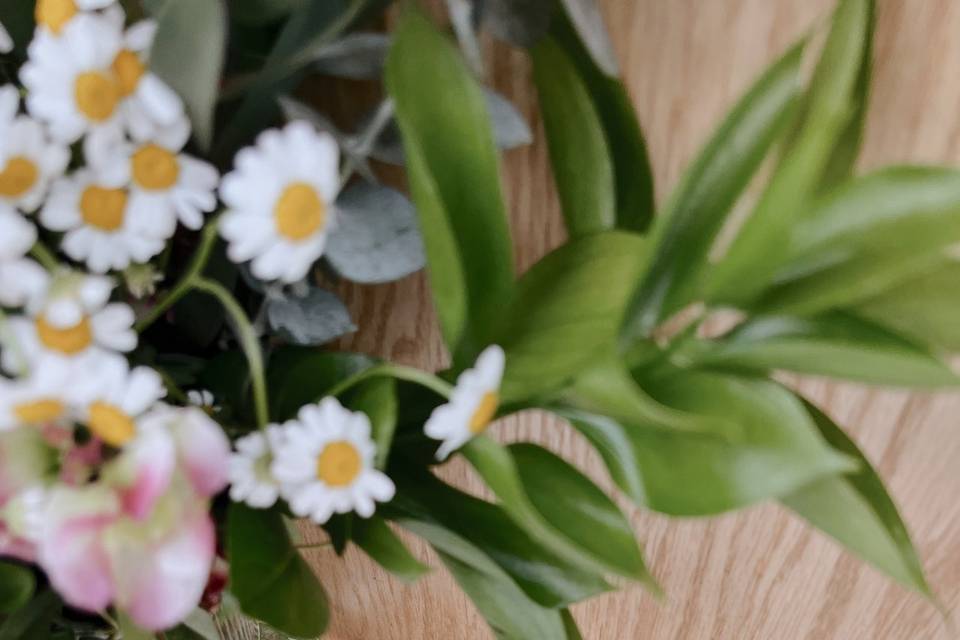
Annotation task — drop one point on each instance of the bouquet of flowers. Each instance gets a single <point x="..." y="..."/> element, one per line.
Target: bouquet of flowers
<point x="172" y="223"/>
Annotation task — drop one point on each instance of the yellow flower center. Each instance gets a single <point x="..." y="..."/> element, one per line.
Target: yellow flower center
<point x="97" y="95"/>
<point x="128" y="68"/>
<point x="155" y="168"/>
<point x="70" y="341"/>
<point x="54" y="14"/>
<point x="103" y="208"/>
<point x="339" y="464"/>
<point x="39" y="411"/>
<point x="110" y="424"/>
<point x="484" y="412"/>
<point x="17" y="177"/>
<point x="299" y="212"/>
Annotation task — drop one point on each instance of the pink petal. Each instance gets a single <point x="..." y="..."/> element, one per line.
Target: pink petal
<point x="150" y="462"/>
<point x="204" y="451"/>
<point x="160" y="586"/>
<point x="13" y="547"/>
<point x="73" y="556"/>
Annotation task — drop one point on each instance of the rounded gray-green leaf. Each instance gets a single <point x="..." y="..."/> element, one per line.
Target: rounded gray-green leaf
<point x="376" y="238"/>
<point x="314" y="319"/>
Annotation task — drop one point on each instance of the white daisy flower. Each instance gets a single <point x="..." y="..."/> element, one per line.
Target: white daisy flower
<point x="53" y="15"/>
<point x="164" y="184"/>
<point x="325" y="463"/>
<point x="48" y="395"/>
<point x="251" y="478"/>
<point x="280" y="198"/>
<point x="28" y="160"/>
<point x="70" y="318"/>
<point x="116" y="396"/>
<point x="6" y="42"/>
<point x="473" y="404"/>
<point x="19" y="277"/>
<point x="101" y="226"/>
<point x="70" y="81"/>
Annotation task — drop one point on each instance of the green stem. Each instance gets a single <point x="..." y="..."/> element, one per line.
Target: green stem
<point x="399" y="372"/>
<point x="44" y="256"/>
<point x="187" y="282"/>
<point x="248" y="339"/>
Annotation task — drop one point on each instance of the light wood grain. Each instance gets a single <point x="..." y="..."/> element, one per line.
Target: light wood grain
<point x="762" y="573"/>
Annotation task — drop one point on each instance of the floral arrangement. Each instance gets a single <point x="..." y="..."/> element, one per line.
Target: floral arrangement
<point x="171" y="221"/>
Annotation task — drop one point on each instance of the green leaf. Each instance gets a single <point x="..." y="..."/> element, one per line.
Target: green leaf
<point x="500" y="472"/>
<point x="303" y="376"/>
<point x="830" y="105"/>
<point x="16" y="587"/>
<point x="317" y="318"/>
<point x="694" y="471"/>
<point x="926" y="307"/>
<point x="519" y="23"/>
<point x="567" y="311"/>
<point x="549" y="579"/>
<point x="632" y="171"/>
<point x="194" y="31"/>
<point x="259" y="12"/>
<point x="570" y="626"/>
<point x="684" y="233"/>
<point x="34" y="620"/>
<point x="269" y="577"/>
<point x="357" y="56"/>
<point x="577" y="507"/>
<point x="856" y="510"/>
<point x="836" y="344"/>
<point x="579" y="154"/>
<point x="454" y="178"/>
<point x="202" y="623"/>
<point x="376" y="239"/>
<point x="587" y="19"/>
<point x="378" y="399"/>
<point x="868" y="236"/>
<point x="130" y="631"/>
<point x="379" y="542"/>
<point x="509" y="612"/>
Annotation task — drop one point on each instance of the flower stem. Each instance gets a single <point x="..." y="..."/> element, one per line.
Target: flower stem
<point x="248" y="339"/>
<point x="44" y="256"/>
<point x="398" y="372"/>
<point x="187" y="282"/>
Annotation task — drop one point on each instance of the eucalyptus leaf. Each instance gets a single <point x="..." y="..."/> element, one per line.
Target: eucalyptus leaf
<point x="316" y="318"/>
<point x="379" y="542"/>
<point x="454" y="178"/>
<point x="856" y="510"/>
<point x="579" y="153"/>
<point x="829" y="107"/>
<point x="357" y="56"/>
<point x="567" y="311"/>
<point x="202" y="623"/>
<point x="588" y="21"/>
<point x="16" y="587"/>
<point x="520" y="22"/>
<point x="294" y="109"/>
<point x="686" y="230"/>
<point x="268" y="576"/>
<point x="510" y="614"/>
<point x="835" y="344"/>
<point x="688" y="472"/>
<point x="376" y="238"/>
<point x="194" y="31"/>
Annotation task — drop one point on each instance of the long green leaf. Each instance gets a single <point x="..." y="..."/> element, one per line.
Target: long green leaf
<point x="300" y="376"/>
<point x="454" y="176"/>
<point x="696" y="472"/>
<point x="259" y="12"/>
<point x="16" y="587"/>
<point x="567" y="311"/>
<point x="926" y="307"/>
<point x="686" y="230"/>
<point x="194" y="31"/>
<point x="866" y="237"/>
<point x="378" y="399"/>
<point x="835" y="344"/>
<point x="269" y="577"/>
<point x="856" y="510"/>
<point x="579" y="153"/>
<point x="34" y="620"/>
<point x="379" y="542"/>
<point x="830" y="105"/>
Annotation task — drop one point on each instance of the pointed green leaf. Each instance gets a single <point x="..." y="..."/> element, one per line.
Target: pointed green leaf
<point x="300" y="376"/>
<point x="579" y="154"/>
<point x="454" y="177"/>
<point x="16" y="587"/>
<point x="686" y="230"/>
<point x="377" y="398"/>
<point x="379" y="542"/>
<point x="856" y="510"/>
<point x="34" y="620"/>
<point x="835" y="344"/>
<point x="194" y="31"/>
<point x="830" y="105"/>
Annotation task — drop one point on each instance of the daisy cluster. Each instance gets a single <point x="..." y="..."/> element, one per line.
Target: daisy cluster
<point x="103" y="484"/>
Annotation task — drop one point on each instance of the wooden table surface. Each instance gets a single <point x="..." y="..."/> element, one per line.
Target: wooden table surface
<point x="762" y="573"/>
